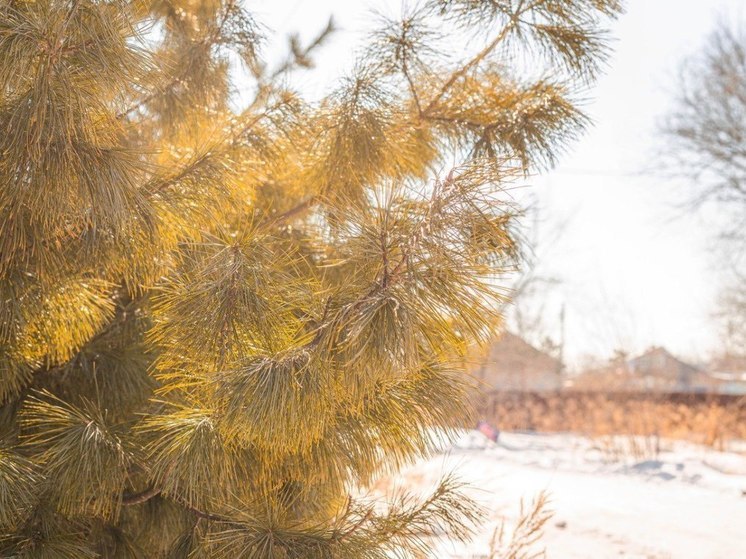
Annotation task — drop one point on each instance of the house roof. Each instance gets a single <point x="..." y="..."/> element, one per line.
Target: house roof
<point x="516" y="346"/>
<point x="510" y="362"/>
<point x="659" y="358"/>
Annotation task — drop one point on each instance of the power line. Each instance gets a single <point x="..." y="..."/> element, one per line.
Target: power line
<point x="602" y="173"/>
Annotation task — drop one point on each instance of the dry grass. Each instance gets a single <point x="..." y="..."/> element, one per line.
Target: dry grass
<point x="621" y="448"/>
<point x="643" y="418"/>
<point x="522" y="541"/>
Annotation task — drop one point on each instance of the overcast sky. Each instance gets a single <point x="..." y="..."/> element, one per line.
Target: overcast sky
<point x="633" y="269"/>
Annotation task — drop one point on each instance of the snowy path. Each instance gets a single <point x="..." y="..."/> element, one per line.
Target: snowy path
<point x="686" y="504"/>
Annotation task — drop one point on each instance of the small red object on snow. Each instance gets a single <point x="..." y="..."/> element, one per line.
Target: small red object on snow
<point x="488" y="431"/>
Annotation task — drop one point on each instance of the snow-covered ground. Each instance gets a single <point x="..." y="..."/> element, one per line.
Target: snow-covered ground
<point x="689" y="502"/>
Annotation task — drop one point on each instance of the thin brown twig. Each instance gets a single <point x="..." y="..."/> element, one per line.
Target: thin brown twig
<point x="129" y="499"/>
<point x="279" y="219"/>
<point x="355" y="527"/>
<point x="153" y="491"/>
<point x="458" y="74"/>
<point x="208" y="39"/>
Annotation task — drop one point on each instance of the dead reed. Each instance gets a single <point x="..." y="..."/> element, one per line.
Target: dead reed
<point x="700" y="418"/>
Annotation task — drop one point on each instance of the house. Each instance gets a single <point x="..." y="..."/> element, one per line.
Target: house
<point x="658" y="370"/>
<point x="730" y="371"/>
<point x="729" y="383"/>
<point x="655" y="370"/>
<point x="512" y="364"/>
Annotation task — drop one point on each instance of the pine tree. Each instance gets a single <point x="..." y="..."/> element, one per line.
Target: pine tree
<point x="218" y="325"/>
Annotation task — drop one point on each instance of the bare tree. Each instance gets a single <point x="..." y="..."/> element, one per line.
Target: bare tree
<point x="732" y="314"/>
<point x="527" y="312"/>
<point x="707" y="128"/>
<point x="706" y="133"/>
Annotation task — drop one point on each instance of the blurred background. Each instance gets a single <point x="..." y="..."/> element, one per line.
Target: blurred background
<point x="616" y="244"/>
<point x="622" y="368"/>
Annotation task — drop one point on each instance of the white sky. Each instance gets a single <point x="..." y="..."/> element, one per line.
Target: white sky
<point x="634" y="271"/>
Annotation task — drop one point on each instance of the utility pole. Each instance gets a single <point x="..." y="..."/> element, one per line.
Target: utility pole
<point x="562" y="342"/>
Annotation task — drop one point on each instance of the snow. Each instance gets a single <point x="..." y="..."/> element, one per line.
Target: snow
<point x="685" y="502"/>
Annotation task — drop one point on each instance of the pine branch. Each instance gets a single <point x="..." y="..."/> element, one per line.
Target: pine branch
<point x="293" y="212"/>
<point x="129" y="499"/>
<point x="301" y="57"/>
<point x="475" y="61"/>
<point x="350" y="532"/>
<point x="208" y="41"/>
<point x="298" y="289"/>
